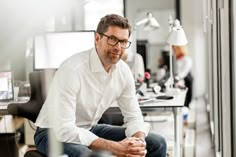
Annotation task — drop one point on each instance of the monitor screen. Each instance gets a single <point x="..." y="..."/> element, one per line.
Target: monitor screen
<point x="6" y="85"/>
<point x="51" y="49"/>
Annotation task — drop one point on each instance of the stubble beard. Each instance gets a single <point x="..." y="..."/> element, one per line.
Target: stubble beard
<point x="114" y="56"/>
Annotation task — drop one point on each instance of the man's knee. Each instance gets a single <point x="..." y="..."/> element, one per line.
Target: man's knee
<point x="156" y="143"/>
<point x="76" y="150"/>
<point x="156" y="138"/>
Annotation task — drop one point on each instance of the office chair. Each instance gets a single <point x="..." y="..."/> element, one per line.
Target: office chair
<point x="30" y="109"/>
<point x="39" y="83"/>
<point x="8" y="145"/>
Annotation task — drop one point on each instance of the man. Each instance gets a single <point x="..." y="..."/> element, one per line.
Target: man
<point x="84" y="86"/>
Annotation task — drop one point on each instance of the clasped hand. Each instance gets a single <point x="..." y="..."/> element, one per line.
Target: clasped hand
<point x="131" y="147"/>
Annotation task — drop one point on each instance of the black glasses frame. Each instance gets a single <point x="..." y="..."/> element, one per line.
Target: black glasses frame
<point x="118" y="40"/>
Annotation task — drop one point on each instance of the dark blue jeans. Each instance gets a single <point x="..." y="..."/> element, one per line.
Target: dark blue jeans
<point x="156" y="145"/>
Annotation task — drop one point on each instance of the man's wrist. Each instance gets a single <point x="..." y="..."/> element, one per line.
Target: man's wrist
<point x="103" y="144"/>
<point x="142" y="140"/>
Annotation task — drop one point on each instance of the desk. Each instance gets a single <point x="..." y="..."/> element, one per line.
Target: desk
<point x="3" y="108"/>
<point x="3" y="105"/>
<point x="176" y="103"/>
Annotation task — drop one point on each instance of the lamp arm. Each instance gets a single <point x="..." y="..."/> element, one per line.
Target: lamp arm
<point x="141" y="22"/>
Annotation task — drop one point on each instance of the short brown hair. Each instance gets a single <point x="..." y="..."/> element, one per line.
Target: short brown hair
<point x="113" y="20"/>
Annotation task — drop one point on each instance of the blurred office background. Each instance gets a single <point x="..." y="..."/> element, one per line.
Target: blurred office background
<point x="208" y="26"/>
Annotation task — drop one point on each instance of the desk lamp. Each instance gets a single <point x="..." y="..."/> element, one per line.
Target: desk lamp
<point x="176" y="37"/>
<point x="150" y="23"/>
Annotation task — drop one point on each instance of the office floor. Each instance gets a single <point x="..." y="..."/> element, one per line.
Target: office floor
<point x="204" y="145"/>
<point x="163" y="124"/>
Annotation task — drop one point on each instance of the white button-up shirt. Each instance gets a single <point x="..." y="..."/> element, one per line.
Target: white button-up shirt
<point x="81" y="91"/>
<point x="184" y="66"/>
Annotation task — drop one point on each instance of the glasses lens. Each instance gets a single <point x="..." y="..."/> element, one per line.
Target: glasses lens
<point x="125" y="44"/>
<point x="112" y="41"/>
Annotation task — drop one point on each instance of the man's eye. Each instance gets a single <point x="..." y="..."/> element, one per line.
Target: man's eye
<point x="124" y="42"/>
<point x="113" y="39"/>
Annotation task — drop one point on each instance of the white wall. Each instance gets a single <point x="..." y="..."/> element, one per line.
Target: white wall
<point x="134" y="6"/>
<point x="192" y="21"/>
<point x="161" y="9"/>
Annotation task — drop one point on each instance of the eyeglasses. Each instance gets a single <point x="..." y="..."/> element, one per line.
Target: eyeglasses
<point x="113" y="41"/>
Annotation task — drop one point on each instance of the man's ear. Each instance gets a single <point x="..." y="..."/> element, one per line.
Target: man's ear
<point x="97" y="37"/>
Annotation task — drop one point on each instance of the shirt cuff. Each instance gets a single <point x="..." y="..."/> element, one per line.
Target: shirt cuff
<point x="132" y="129"/>
<point x="86" y="137"/>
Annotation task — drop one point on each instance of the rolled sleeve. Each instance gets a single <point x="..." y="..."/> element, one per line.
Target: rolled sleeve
<point x="131" y="129"/>
<point x="75" y="135"/>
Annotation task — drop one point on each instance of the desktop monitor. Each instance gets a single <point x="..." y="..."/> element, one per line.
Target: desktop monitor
<point x="6" y="86"/>
<point x="51" y="49"/>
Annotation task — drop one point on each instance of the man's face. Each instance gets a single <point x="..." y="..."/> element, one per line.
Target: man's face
<point x="107" y="53"/>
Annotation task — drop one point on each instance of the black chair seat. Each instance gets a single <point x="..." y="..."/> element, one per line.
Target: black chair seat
<point x="34" y="153"/>
<point x="8" y="145"/>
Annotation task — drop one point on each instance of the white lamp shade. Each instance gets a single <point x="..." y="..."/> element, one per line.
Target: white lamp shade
<point x="177" y="36"/>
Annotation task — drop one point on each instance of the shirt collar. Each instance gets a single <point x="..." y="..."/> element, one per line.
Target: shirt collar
<point x="96" y="64"/>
